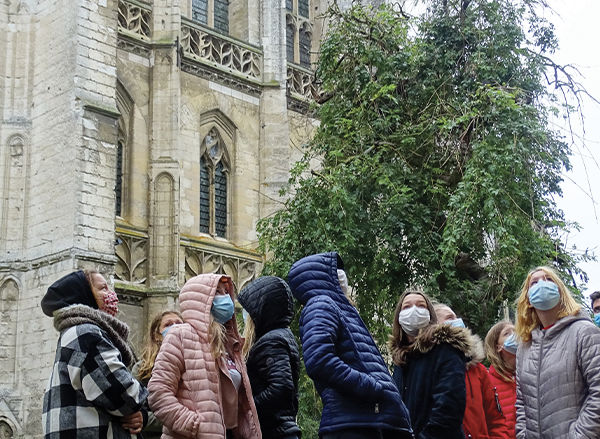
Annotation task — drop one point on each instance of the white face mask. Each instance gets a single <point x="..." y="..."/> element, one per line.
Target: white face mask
<point x="343" y="281"/>
<point x="412" y="319"/>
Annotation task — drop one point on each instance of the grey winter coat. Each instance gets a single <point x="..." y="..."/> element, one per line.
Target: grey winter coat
<point x="558" y="381"/>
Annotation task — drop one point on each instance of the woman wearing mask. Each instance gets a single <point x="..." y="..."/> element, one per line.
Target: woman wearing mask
<point x="142" y="370"/>
<point x="359" y="398"/>
<point x="429" y="368"/>
<point x="558" y="362"/>
<point x="501" y="350"/>
<point x="90" y="393"/>
<point x="199" y="386"/>
<point x="273" y="360"/>
<point x="483" y="417"/>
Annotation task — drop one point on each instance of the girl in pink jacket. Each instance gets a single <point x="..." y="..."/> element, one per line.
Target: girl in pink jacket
<point x="199" y="386"/>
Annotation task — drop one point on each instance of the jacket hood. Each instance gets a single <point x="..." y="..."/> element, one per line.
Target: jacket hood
<point x="316" y="275"/>
<point x="68" y="290"/>
<point x="116" y="330"/>
<point x="269" y="302"/>
<point x="434" y="335"/>
<point x="561" y="324"/>
<point x="196" y="298"/>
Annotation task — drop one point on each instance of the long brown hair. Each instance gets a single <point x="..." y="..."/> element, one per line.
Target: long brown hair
<point x="527" y="319"/>
<point x="153" y="341"/>
<point x="398" y="342"/>
<point x="491" y="351"/>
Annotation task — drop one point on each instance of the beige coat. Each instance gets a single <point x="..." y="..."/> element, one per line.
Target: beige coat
<point x="185" y="388"/>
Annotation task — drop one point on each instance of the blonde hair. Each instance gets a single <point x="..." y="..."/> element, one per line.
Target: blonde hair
<point x="217" y="337"/>
<point x="527" y="319"/>
<point x="398" y="342"/>
<point x="153" y="341"/>
<point x="249" y="336"/>
<point x="491" y="352"/>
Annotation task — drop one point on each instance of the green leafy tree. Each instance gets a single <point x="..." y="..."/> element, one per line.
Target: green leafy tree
<point x="434" y="163"/>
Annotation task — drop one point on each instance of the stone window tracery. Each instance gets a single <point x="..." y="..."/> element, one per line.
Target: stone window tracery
<point x="298" y="32"/>
<point x="212" y="13"/>
<point x="214" y="176"/>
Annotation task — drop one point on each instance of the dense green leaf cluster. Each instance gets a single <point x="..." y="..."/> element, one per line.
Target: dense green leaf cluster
<point x="437" y="165"/>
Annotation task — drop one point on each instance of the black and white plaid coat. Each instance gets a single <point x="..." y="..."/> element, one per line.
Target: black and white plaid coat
<point x="90" y="386"/>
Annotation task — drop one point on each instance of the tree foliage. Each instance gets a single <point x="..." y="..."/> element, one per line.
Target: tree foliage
<point x="434" y="163"/>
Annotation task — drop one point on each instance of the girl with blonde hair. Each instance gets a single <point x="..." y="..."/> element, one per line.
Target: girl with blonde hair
<point x="199" y="385"/>
<point x="558" y="362"/>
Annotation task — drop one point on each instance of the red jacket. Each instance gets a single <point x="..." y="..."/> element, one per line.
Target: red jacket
<point x="507" y="396"/>
<point x="483" y="419"/>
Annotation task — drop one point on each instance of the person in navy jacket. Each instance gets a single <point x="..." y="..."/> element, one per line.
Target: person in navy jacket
<point x="360" y="399"/>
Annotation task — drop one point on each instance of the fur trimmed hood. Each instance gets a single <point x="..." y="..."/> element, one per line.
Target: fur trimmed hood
<point x="116" y="330"/>
<point x="430" y="337"/>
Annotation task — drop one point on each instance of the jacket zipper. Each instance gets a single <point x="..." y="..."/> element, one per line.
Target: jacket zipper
<point x="538" y="384"/>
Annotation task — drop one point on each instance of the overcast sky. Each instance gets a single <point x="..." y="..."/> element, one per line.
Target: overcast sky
<point x="577" y="28"/>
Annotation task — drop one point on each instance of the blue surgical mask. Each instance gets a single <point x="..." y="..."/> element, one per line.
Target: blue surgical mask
<point x="164" y="331"/>
<point x="458" y="323"/>
<point x="222" y="308"/>
<point x="544" y="295"/>
<point x="597" y="319"/>
<point x="510" y="344"/>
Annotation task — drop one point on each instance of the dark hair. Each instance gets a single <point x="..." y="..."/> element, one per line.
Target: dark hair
<point x="593" y="297"/>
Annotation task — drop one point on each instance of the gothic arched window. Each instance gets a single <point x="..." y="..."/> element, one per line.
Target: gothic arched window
<point x="212" y="13"/>
<point x="214" y="170"/>
<point x="298" y="32"/>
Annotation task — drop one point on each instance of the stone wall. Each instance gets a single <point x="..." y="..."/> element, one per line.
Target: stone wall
<point x="80" y="77"/>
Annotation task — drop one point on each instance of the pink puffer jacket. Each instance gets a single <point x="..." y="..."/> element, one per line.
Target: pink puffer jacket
<point x="185" y="389"/>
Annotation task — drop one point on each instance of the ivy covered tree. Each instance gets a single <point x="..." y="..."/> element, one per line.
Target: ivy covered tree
<point x="434" y="163"/>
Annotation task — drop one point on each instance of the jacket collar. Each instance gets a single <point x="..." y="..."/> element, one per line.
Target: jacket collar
<point x="116" y="330"/>
<point x="558" y="327"/>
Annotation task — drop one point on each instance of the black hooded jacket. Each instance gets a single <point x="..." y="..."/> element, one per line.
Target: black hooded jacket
<point x="68" y="290"/>
<point x="273" y="361"/>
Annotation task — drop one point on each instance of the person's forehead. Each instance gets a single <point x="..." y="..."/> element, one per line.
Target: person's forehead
<point x="596" y="303"/>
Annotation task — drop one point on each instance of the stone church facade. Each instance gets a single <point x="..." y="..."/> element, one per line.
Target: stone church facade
<point x="143" y="138"/>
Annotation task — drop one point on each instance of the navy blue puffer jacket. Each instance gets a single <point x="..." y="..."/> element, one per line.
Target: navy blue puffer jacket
<point x="340" y="355"/>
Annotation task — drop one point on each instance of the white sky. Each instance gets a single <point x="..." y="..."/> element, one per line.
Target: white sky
<point x="576" y="23"/>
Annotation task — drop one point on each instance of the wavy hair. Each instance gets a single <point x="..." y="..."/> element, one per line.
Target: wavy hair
<point x="398" y="342"/>
<point x="491" y="352"/>
<point x="527" y="319"/>
<point x="153" y="341"/>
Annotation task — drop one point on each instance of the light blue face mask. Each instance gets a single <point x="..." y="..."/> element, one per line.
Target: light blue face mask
<point x="222" y="308"/>
<point x="510" y="344"/>
<point x="457" y="323"/>
<point x="164" y="331"/>
<point x="597" y="319"/>
<point x="544" y="295"/>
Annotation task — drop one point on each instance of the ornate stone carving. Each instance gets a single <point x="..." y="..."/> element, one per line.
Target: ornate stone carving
<point x="132" y="260"/>
<point x="134" y="46"/>
<point x="134" y="20"/>
<point x="300" y="83"/>
<point x="207" y="46"/>
<point x="130" y="298"/>
<point x="199" y="261"/>
<point x="211" y="74"/>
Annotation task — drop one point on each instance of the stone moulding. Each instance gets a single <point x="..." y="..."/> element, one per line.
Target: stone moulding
<point x="206" y="46"/>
